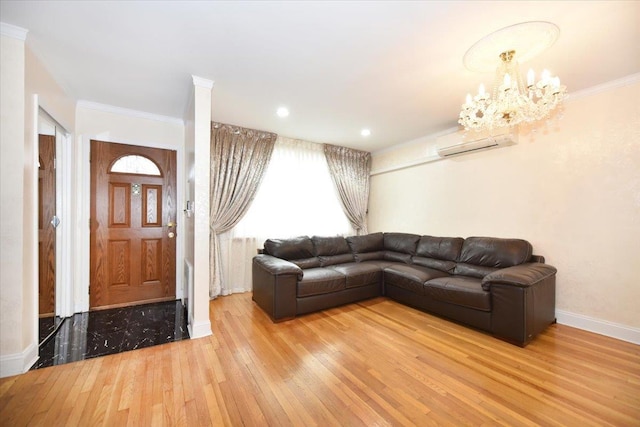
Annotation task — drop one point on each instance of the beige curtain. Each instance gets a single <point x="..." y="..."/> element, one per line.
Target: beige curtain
<point x="239" y="158"/>
<point x="350" y="170"/>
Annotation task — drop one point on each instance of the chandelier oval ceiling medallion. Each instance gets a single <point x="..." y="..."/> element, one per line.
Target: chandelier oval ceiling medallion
<point x="512" y="101"/>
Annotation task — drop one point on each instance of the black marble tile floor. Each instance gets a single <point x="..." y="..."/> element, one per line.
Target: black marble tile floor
<point x="47" y="326"/>
<point x="99" y="333"/>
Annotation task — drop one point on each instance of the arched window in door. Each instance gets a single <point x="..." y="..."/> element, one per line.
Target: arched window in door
<point x="135" y="164"/>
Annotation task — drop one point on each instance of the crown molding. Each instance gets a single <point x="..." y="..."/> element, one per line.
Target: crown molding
<point x="613" y="84"/>
<point x="128" y="112"/>
<point x="202" y="82"/>
<point x="13" y="31"/>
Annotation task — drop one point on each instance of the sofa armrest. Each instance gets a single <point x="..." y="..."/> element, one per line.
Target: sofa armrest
<point x="275" y="283"/>
<point x="277" y="266"/>
<point x="523" y="301"/>
<point x="522" y="275"/>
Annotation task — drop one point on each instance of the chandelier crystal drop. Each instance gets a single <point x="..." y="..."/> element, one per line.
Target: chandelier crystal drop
<point x="512" y="102"/>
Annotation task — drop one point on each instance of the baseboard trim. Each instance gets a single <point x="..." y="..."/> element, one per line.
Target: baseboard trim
<point x="199" y="330"/>
<point x="18" y="363"/>
<point x="598" y="326"/>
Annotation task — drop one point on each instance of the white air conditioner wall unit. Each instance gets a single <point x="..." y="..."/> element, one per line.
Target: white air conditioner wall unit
<point x="457" y="143"/>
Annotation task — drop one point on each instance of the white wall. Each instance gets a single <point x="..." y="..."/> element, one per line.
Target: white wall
<point x="573" y="191"/>
<point x="111" y="124"/>
<point x="17" y="316"/>
<point x="52" y="98"/>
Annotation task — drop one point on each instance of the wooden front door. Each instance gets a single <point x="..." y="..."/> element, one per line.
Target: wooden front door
<point x="133" y="217"/>
<point x="46" y="225"/>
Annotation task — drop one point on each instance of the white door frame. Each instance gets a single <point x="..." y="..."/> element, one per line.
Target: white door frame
<point x="47" y="125"/>
<point x="83" y="175"/>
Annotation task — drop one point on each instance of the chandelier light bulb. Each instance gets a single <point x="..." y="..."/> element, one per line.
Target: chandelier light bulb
<point x="545" y="77"/>
<point x="507" y="81"/>
<point x="531" y="77"/>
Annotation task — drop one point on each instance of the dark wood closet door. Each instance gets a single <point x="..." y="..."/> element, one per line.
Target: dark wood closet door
<point x="46" y="230"/>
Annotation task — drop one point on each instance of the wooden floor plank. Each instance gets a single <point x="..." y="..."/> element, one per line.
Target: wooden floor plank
<point x="376" y="362"/>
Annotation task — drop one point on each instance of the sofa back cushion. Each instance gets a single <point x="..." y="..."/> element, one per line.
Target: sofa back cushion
<point x="332" y="250"/>
<point x="367" y="243"/>
<point x="482" y="255"/>
<point x="367" y="247"/>
<point x="298" y="250"/>
<point x="444" y="248"/>
<point x="438" y="252"/>
<point x="400" y="246"/>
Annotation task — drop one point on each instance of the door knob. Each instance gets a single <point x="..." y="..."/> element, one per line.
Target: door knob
<point x="55" y="221"/>
<point x="171" y="234"/>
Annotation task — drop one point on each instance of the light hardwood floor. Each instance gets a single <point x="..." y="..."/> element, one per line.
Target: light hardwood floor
<point x="372" y="363"/>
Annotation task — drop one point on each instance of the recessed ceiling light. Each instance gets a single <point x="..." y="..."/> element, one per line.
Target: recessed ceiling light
<point x="365" y="132"/>
<point x="282" y="112"/>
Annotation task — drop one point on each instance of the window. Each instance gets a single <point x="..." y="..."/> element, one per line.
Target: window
<point x="296" y="196"/>
<point x="134" y="164"/>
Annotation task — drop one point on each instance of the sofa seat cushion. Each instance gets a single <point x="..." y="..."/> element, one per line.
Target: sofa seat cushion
<point x="459" y="290"/>
<point x="317" y="281"/>
<point x="359" y="274"/>
<point x="410" y="277"/>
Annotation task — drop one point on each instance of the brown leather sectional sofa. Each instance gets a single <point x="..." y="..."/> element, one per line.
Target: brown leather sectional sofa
<point x="492" y="284"/>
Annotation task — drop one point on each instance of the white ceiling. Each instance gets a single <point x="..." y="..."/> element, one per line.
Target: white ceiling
<point x="393" y="67"/>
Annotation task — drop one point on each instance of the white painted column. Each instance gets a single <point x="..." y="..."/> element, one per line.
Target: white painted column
<point x="200" y="324"/>
<point x="18" y="345"/>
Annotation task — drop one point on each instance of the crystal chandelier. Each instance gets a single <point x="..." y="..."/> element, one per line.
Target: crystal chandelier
<point x="512" y="102"/>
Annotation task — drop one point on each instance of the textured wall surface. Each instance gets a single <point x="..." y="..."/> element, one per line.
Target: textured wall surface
<point x="12" y="158"/>
<point x="572" y="190"/>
